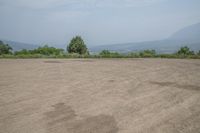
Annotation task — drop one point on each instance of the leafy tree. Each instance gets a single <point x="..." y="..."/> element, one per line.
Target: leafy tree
<point x="77" y="45"/>
<point x="185" y="51"/>
<point x="5" y="48"/>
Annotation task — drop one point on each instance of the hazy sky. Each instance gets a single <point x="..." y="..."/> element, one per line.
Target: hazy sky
<point x="98" y="21"/>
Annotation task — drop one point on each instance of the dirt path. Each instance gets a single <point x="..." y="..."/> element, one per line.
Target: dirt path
<point x="99" y="96"/>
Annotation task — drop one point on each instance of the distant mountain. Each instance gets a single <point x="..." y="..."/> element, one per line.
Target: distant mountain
<point x="189" y="36"/>
<point x="19" y="45"/>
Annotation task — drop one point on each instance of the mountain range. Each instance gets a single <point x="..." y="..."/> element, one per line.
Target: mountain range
<point x="16" y="46"/>
<point x="188" y="36"/>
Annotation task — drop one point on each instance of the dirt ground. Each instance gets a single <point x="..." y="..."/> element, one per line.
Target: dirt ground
<point x="99" y="96"/>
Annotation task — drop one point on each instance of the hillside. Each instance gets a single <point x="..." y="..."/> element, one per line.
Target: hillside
<point x="187" y="36"/>
<point x="19" y="45"/>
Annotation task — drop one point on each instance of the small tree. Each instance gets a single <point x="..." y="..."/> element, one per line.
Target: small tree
<point x="4" y="48"/>
<point x="77" y="45"/>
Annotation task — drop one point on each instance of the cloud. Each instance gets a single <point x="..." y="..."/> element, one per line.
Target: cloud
<point x="31" y="3"/>
<point x="126" y="3"/>
<point x="45" y="4"/>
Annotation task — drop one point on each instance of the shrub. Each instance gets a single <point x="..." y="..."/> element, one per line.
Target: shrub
<point x="108" y="54"/>
<point x="148" y="53"/>
<point x="133" y="55"/>
<point x="105" y="52"/>
<point x="45" y="51"/>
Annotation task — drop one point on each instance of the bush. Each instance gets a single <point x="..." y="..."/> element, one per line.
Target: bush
<point x="7" y="56"/>
<point x="133" y="55"/>
<point x="45" y="51"/>
<point x="105" y="52"/>
<point x="108" y="54"/>
<point x="22" y="52"/>
<point x="51" y="52"/>
<point x="168" y="56"/>
<point x="148" y="53"/>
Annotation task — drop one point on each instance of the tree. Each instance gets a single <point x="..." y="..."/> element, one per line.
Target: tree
<point x="4" y="48"/>
<point x="77" y="45"/>
<point x="185" y="51"/>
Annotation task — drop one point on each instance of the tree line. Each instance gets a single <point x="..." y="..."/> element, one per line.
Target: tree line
<point x="78" y="49"/>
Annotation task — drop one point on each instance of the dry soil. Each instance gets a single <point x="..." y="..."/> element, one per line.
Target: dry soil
<point x="99" y="96"/>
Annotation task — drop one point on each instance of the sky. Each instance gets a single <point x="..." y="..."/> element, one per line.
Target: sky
<point x="99" y="22"/>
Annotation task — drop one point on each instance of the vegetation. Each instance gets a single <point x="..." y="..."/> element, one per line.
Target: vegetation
<point x="109" y="54"/>
<point x="198" y="53"/>
<point x="148" y="53"/>
<point x="5" y="48"/>
<point x="77" y="45"/>
<point x="185" y="51"/>
<point x="45" y="50"/>
<point x="78" y="49"/>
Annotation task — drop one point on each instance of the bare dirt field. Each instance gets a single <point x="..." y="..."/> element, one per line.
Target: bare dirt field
<point x="99" y="96"/>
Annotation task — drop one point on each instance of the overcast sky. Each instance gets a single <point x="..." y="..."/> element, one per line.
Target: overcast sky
<point x="97" y="21"/>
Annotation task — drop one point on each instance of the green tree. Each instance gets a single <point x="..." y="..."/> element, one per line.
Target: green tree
<point x="77" y="45"/>
<point x="185" y="51"/>
<point x="5" y="48"/>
